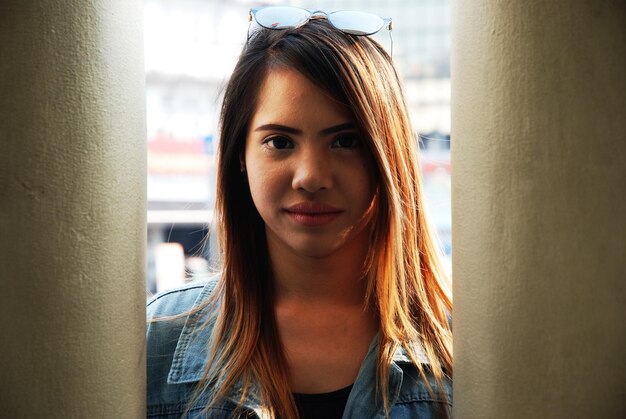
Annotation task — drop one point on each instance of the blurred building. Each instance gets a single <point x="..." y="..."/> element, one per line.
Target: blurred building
<point x="190" y="49"/>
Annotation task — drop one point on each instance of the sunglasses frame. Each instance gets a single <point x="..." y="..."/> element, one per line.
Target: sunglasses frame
<point x="319" y="14"/>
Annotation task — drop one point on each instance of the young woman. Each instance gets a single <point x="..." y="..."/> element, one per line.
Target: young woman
<point x="331" y="301"/>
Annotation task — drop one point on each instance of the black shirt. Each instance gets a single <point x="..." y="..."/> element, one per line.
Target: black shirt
<point x="322" y="405"/>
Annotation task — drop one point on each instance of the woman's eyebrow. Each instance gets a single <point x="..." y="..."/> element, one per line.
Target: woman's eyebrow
<point x="337" y="128"/>
<point x="278" y="127"/>
<point x="296" y="131"/>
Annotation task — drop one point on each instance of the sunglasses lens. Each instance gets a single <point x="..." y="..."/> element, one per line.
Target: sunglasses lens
<point x="281" y="17"/>
<point x="356" y="23"/>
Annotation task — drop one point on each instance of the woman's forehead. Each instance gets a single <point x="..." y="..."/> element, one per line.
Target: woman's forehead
<point x="288" y="95"/>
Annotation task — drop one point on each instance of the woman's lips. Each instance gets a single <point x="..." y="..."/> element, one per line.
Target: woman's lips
<point x="312" y="214"/>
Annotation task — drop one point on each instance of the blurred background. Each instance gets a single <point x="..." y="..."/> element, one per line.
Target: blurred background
<point x="191" y="47"/>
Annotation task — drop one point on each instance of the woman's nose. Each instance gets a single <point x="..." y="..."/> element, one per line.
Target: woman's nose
<point x="313" y="172"/>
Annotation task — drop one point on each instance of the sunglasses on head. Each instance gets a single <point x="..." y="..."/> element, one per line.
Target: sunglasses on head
<point x="348" y="21"/>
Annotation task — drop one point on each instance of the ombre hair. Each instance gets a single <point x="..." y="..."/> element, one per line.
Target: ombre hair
<point x="405" y="283"/>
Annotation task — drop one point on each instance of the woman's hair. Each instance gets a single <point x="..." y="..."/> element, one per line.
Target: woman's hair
<point x="406" y="286"/>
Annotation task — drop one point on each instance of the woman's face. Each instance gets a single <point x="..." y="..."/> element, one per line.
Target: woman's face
<point x="309" y="171"/>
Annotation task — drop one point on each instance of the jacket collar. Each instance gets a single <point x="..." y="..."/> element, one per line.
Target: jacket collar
<point x="191" y="355"/>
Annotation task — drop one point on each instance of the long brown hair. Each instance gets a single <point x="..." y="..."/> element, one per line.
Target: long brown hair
<point x="406" y="285"/>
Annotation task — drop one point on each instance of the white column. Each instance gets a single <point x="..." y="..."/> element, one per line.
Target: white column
<point x="539" y="208"/>
<point x="72" y="209"/>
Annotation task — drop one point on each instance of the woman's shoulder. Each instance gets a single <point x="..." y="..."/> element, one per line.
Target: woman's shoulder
<point x="180" y="300"/>
<point x="173" y="314"/>
<point x="176" y="345"/>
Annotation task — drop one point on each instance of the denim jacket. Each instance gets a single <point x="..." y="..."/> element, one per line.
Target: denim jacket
<point x="177" y="357"/>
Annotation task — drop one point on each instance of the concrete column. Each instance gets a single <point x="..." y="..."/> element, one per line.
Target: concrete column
<point x="72" y="209"/>
<point x="539" y="208"/>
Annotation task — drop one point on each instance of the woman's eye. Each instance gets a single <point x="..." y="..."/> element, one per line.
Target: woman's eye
<point x="346" y="141"/>
<point x="279" y="142"/>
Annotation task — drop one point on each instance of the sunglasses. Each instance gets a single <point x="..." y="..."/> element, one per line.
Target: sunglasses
<point x="348" y="21"/>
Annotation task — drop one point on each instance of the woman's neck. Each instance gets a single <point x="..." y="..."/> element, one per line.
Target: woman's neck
<point x="324" y="326"/>
<point x="334" y="279"/>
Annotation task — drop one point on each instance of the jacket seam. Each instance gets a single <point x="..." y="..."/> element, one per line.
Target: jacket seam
<point x="159" y="296"/>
